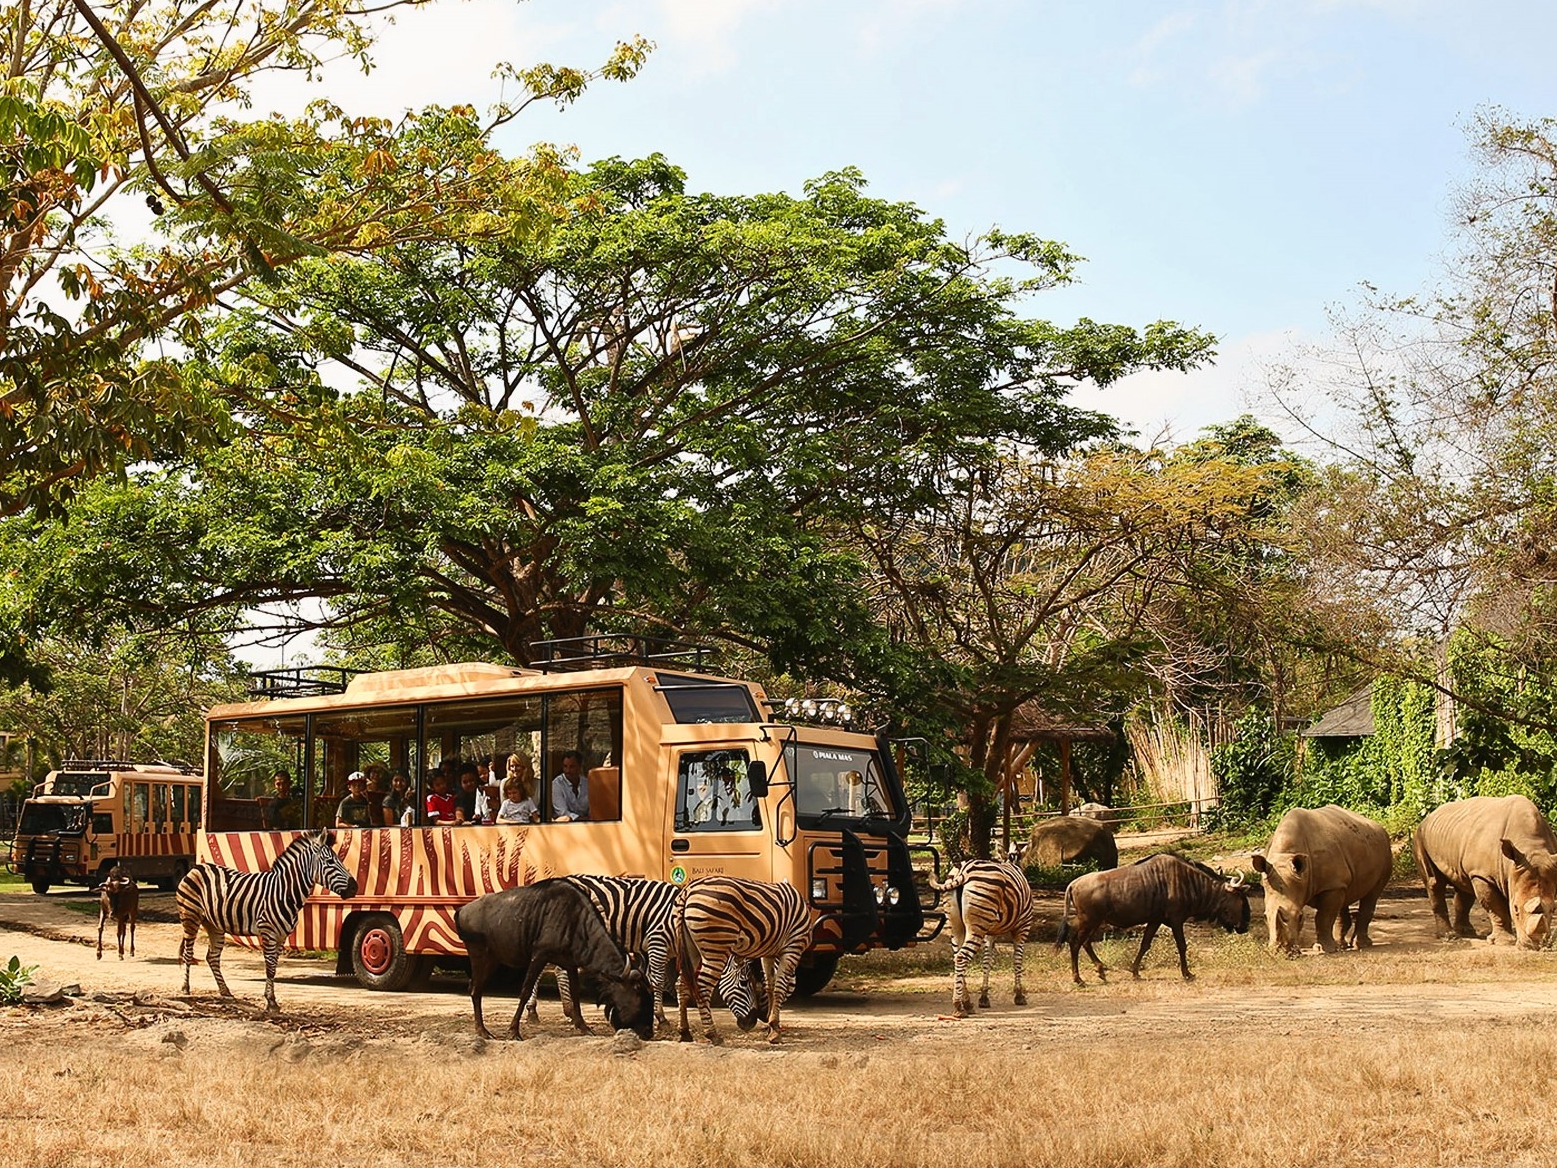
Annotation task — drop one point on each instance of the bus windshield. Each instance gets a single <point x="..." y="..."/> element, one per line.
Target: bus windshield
<point x="43" y="818"/>
<point x="838" y="781"/>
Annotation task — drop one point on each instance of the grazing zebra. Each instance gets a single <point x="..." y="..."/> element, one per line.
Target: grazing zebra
<point x="256" y="904"/>
<point x="720" y="921"/>
<point x="990" y="898"/>
<point x="639" y="914"/>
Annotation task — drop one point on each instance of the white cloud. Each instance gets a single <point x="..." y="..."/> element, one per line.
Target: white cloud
<point x="1147" y="51"/>
<point x="705" y="32"/>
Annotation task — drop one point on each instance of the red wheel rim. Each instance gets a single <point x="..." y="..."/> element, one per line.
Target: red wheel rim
<point x="376" y="951"/>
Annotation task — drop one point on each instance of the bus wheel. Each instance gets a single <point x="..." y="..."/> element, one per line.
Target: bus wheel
<point x="813" y="978"/>
<point x="40" y="886"/>
<point x="169" y="883"/>
<point x="378" y="955"/>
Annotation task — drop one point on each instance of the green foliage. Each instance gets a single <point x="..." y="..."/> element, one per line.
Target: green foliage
<point x="1057" y="876"/>
<point x="14" y="979"/>
<point x="1253" y="770"/>
<point x="1394" y="766"/>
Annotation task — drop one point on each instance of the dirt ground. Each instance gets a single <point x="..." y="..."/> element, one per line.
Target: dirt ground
<point x="1131" y="1072"/>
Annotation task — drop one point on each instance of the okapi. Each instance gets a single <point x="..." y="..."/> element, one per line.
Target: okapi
<point x="119" y="899"/>
<point x="1159" y="890"/>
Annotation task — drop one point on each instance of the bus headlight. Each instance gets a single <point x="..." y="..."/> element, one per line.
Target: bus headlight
<point x="818" y="888"/>
<point x="894" y="895"/>
<point x="881" y="894"/>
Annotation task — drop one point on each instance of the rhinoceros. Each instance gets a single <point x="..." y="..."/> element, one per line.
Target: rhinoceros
<point x="1330" y="858"/>
<point x="1501" y="851"/>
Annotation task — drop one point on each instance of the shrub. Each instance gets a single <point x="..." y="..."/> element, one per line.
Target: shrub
<point x="15" y="978"/>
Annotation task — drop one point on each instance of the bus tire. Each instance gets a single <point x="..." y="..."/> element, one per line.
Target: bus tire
<point x="40" y="886"/>
<point x="812" y="978"/>
<point x="378" y="956"/>
<point x="169" y="883"/>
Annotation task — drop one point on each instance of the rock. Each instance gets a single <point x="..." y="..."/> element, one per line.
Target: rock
<point x="1071" y="840"/>
<point x="43" y="993"/>
<point x="73" y="990"/>
<point x="626" y="1043"/>
<point x="176" y="1037"/>
<point x="1099" y="813"/>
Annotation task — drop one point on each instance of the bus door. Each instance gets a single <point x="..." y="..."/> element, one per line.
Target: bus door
<point x="718" y="829"/>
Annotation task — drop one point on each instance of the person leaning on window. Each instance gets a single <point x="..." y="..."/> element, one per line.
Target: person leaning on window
<point x="355" y="810"/>
<point x="570" y="790"/>
<point x="282" y="811"/>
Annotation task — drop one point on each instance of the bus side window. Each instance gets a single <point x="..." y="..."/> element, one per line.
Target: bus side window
<point x="178" y="807"/>
<point x="103" y="823"/>
<point x="139" y="808"/>
<point x="159" y="807"/>
<point x="194" y="808"/>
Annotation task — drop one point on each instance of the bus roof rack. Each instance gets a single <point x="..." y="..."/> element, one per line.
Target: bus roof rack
<point x="118" y="764"/>
<point x="301" y="681"/>
<point x="610" y="650"/>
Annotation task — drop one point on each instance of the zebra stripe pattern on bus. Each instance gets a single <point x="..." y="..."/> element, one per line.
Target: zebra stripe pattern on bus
<point x="256" y="904"/>
<point x="990" y="898"/>
<point x="640" y="916"/>
<point x="722" y="919"/>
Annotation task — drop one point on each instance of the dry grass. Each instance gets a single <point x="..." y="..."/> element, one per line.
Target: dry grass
<point x="1330" y="1096"/>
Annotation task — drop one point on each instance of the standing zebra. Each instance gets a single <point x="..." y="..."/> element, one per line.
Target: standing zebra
<point x="640" y="916"/>
<point x="256" y="904"/>
<point x="990" y="898"/>
<point x="720" y="921"/>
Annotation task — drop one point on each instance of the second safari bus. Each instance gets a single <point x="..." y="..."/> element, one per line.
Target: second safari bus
<point x="688" y="774"/>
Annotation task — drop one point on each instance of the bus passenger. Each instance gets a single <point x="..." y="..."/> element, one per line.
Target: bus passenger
<point x="518" y="804"/>
<point x="470" y="803"/>
<point x="570" y="790"/>
<point x="282" y="811"/>
<point x="440" y="804"/>
<point x="375" y="796"/>
<point x="733" y="800"/>
<point x="354" y="810"/>
<point x="400" y="803"/>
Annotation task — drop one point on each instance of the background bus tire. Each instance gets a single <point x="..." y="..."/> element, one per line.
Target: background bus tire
<point x="378" y="956"/>
<point x="41" y="887"/>
<point x="812" y="978"/>
<point x="169" y="883"/>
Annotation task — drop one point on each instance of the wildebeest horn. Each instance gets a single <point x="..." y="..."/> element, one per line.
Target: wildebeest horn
<point x="1236" y="881"/>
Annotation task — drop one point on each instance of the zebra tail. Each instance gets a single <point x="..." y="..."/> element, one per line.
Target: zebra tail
<point x="954" y="879"/>
<point x="1064" y="921"/>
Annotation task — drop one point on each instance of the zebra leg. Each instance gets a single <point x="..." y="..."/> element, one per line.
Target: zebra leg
<point x="186" y="949"/>
<point x="214" y="943"/>
<point x="961" y="1007"/>
<point x="272" y="945"/>
<point x="565" y="981"/>
<point x="989" y="958"/>
<point x="780" y="976"/>
<point x="530" y="1012"/>
<point x="707" y="981"/>
<point x="1146" y="943"/>
<point x="1019" y="943"/>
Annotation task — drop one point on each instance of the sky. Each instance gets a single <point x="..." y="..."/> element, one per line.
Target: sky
<point x="1240" y="166"/>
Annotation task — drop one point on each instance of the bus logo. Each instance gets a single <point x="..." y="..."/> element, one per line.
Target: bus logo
<point x="678" y="875"/>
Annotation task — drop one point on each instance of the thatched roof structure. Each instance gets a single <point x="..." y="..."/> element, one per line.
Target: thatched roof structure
<point x="1353" y="718"/>
<point x="1034" y="724"/>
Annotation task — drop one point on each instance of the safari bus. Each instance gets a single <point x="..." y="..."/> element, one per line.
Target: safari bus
<point x="687" y="774"/>
<point x="91" y="814"/>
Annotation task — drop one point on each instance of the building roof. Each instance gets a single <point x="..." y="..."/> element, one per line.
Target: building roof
<point x="1032" y="723"/>
<point x="1353" y="718"/>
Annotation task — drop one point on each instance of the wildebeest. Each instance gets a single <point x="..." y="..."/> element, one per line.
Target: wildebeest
<point x="551" y="922"/>
<point x="118" y="899"/>
<point x="1502" y="852"/>
<point x="256" y="904"/>
<point x="1330" y="858"/>
<point x="989" y="899"/>
<point x="1159" y="890"/>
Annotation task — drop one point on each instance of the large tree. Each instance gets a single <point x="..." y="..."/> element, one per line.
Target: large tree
<point x="109" y="109"/>
<point x="658" y="413"/>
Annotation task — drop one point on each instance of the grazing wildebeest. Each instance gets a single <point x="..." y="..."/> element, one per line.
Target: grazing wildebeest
<point x="551" y="922"/>
<point x="1159" y="890"/>
<point x="118" y="899"/>
<point x="256" y="904"/>
<point x="640" y="916"/>
<point x="1499" y="851"/>
<point x="990" y="898"/>
<point x="723" y="919"/>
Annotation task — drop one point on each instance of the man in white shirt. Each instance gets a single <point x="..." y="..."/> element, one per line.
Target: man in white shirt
<point x="570" y="790"/>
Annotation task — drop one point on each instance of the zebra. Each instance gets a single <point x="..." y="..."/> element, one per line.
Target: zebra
<point x="256" y="904"/>
<point x="990" y="898"/>
<point x="639" y="915"/>
<point x="723" y="921"/>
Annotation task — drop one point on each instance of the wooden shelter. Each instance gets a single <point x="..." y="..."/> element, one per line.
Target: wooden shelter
<point x="1030" y="727"/>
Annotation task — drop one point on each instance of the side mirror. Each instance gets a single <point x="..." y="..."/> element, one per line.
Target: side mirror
<point x="757" y="778"/>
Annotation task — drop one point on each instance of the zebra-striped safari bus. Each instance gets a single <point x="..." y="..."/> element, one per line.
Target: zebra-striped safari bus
<point x="91" y="814"/>
<point x="633" y="761"/>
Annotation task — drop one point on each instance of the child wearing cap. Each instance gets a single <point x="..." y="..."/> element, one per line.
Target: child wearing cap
<point x="355" y="810"/>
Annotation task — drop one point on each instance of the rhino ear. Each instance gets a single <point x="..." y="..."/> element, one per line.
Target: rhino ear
<point x="1299" y="863"/>
<point x="1261" y="864"/>
<point x="1513" y="853"/>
